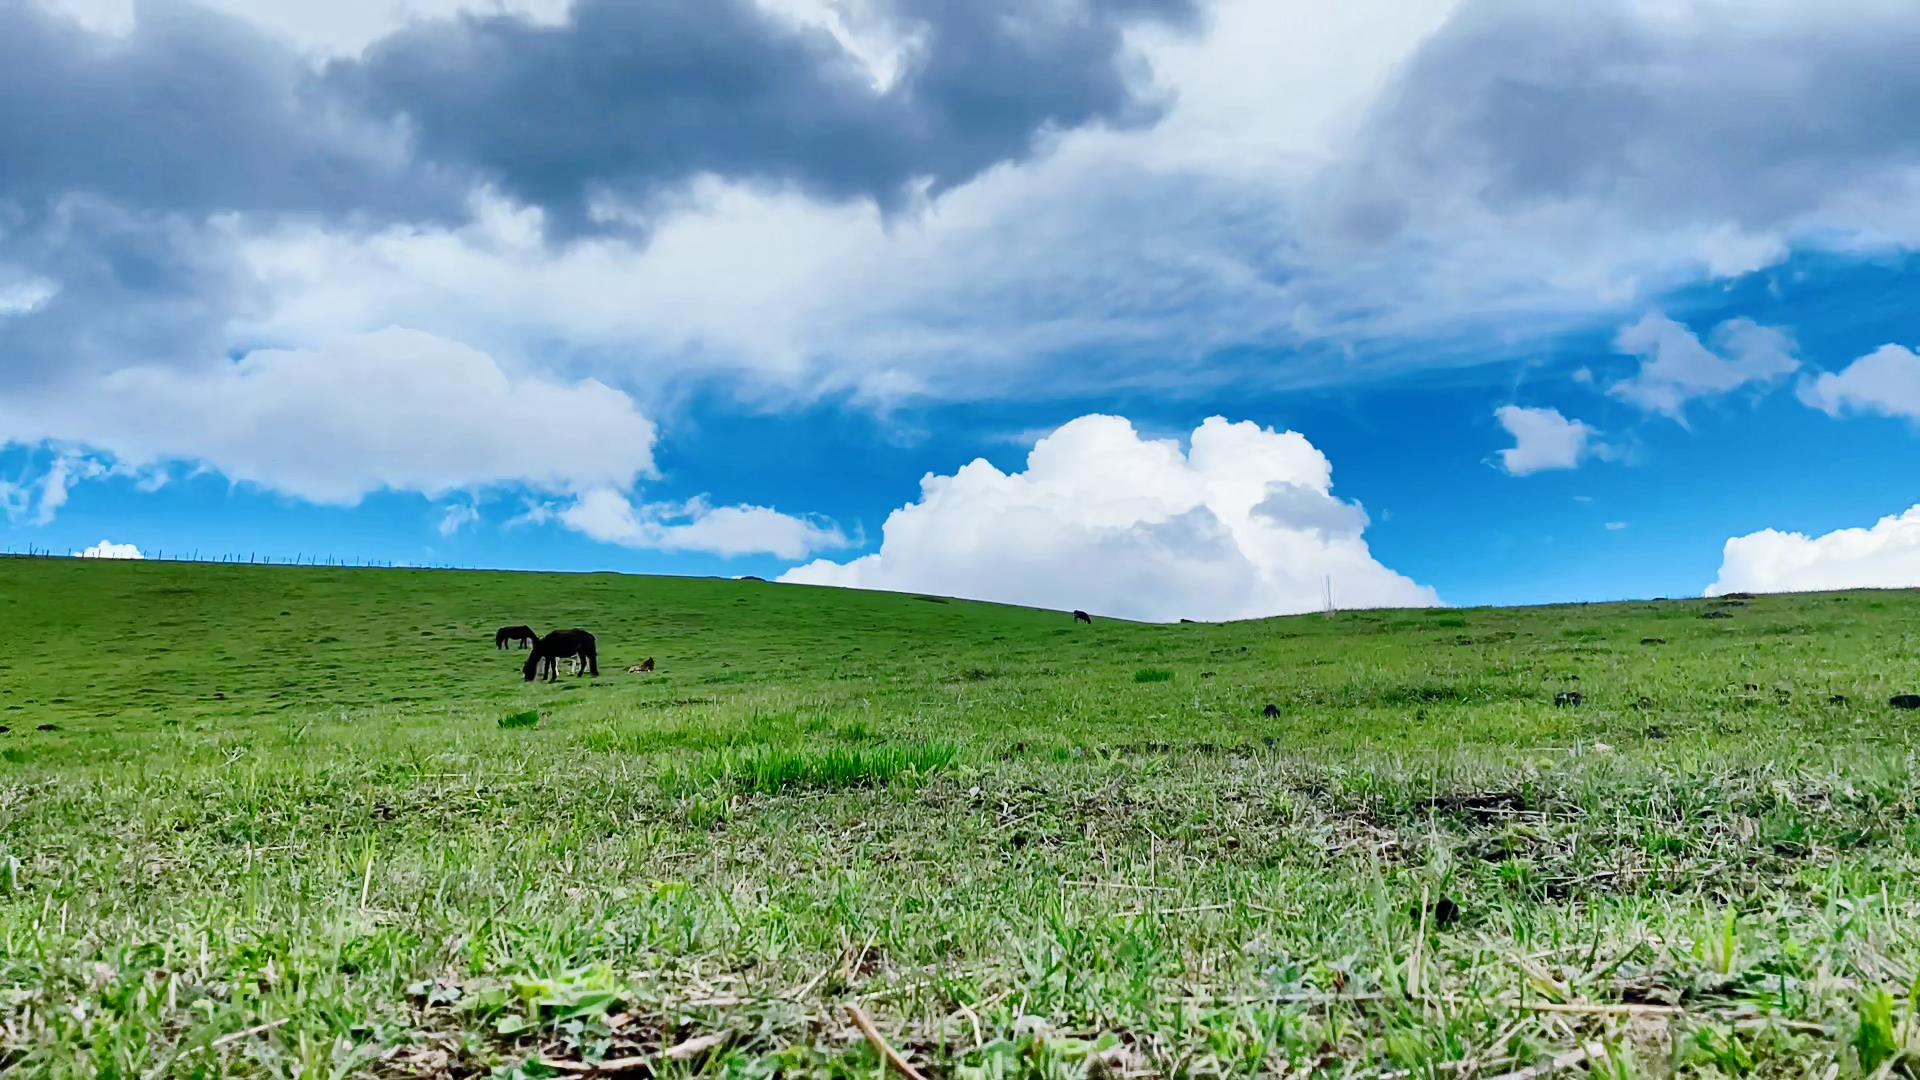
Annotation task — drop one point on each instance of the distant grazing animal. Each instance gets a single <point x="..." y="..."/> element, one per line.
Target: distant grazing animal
<point x="1081" y="616"/>
<point x="522" y="634"/>
<point x="559" y="645"/>
<point x="641" y="668"/>
<point x="1271" y="712"/>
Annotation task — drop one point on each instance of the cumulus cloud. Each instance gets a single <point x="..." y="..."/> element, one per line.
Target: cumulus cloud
<point x="1676" y="366"/>
<point x="1885" y="382"/>
<point x="1544" y="439"/>
<point x="1242" y="523"/>
<point x="609" y="517"/>
<point x="1885" y="555"/>
<point x="106" y="549"/>
<point x="394" y="409"/>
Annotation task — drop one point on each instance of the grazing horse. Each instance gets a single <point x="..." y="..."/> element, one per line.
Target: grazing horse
<point x="522" y="634"/>
<point x="1081" y="616"/>
<point x="561" y="644"/>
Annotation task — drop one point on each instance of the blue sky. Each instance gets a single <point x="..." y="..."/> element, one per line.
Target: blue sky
<point x="1557" y="306"/>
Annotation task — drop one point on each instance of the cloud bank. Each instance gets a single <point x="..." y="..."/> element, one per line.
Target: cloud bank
<point x="1242" y="523"/>
<point x="392" y="410"/>
<point x="1885" y="555"/>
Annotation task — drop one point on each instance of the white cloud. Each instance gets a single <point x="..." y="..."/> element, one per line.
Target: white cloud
<point x="459" y="516"/>
<point x="25" y="297"/>
<point x="1616" y="526"/>
<point x="1885" y="382"/>
<point x="106" y="549"/>
<point x="1887" y="555"/>
<point x="1544" y="439"/>
<point x="38" y="499"/>
<point x="1358" y="173"/>
<point x="54" y="489"/>
<point x="1313" y="184"/>
<point x="1242" y="524"/>
<point x="395" y="409"/>
<point x="609" y="517"/>
<point x="1676" y="367"/>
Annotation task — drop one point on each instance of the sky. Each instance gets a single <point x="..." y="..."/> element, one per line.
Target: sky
<point x="1160" y="309"/>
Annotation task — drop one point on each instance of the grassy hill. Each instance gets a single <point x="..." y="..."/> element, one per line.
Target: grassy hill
<point x="298" y="822"/>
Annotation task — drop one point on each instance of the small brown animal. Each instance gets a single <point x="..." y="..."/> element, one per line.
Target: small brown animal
<point x="641" y="668"/>
<point x="1081" y="616"/>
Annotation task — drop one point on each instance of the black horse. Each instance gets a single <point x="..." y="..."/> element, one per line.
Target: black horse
<point x="522" y="634"/>
<point x="1081" y="616"/>
<point x="557" y="646"/>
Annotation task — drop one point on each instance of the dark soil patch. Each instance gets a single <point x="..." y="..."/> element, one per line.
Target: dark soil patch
<point x="1481" y="806"/>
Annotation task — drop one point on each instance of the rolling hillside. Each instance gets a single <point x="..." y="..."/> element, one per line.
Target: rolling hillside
<point x="310" y="822"/>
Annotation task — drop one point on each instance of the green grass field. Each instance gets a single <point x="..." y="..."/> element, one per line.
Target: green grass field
<point x="296" y="822"/>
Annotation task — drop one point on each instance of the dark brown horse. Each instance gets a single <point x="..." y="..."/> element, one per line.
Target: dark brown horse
<point x="557" y="646"/>
<point x="522" y="634"/>
<point x="1081" y="616"/>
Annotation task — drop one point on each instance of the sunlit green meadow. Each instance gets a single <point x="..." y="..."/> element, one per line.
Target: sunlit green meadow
<point x="299" y="822"/>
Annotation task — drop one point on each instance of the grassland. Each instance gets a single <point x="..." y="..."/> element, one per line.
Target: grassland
<point x="296" y="822"/>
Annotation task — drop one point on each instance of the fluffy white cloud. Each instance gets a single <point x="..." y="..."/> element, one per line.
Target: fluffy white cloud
<point x="394" y="409"/>
<point x="609" y="517"/>
<point x="1884" y="382"/>
<point x="106" y="549"/>
<point x="1887" y="556"/>
<point x="1543" y="439"/>
<point x="1676" y="367"/>
<point x="1241" y="524"/>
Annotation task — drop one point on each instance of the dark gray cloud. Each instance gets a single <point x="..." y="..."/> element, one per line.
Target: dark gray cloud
<point x="629" y="98"/>
<point x="1751" y="119"/>
<point x="121" y="155"/>
<point x="191" y="112"/>
<point x="128" y="287"/>
<point x="118" y="153"/>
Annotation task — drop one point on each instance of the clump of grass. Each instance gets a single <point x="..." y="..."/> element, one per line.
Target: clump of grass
<point x="1152" y="674"/>
<point x="771" y="770"/>
<point x="523" y="719"/>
